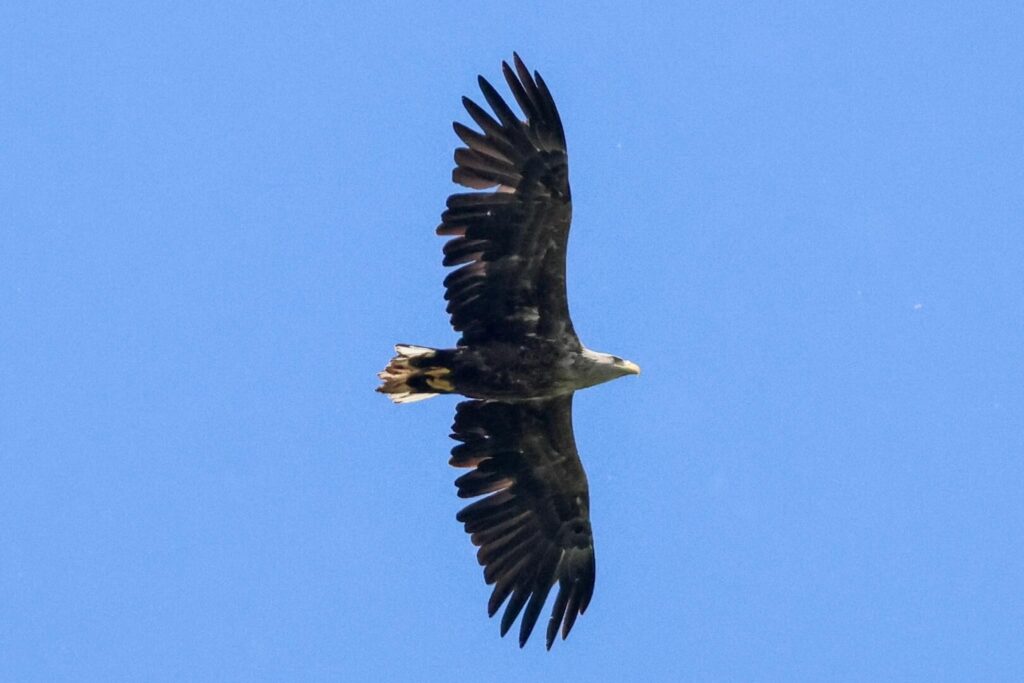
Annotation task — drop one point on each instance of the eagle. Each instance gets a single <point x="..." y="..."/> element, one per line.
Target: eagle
<point x="518" y="359"/>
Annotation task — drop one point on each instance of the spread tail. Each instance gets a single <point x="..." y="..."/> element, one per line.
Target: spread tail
<point x="416" y="373"/>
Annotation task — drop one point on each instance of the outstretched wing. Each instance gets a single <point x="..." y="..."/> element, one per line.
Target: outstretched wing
<point x="533" y="528"/>
<point x="510" y="242"/>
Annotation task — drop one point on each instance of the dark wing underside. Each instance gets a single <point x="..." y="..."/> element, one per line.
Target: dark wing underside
<point x="511" y="242"/>
<point x="533" y="528"/>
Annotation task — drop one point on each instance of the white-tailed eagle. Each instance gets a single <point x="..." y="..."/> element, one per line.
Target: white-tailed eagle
<point x="518" y="359"/>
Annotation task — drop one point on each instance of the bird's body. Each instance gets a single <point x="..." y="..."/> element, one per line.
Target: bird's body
<point x="534" y="368"/>
<point x="518" y="359"/>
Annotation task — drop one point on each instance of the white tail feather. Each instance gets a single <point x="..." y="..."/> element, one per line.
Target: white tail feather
<point x="399" y="372"/>
<point x="409" y="397"/>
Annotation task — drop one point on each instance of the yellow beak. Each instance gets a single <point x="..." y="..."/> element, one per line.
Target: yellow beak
<point x="630" y="367"/>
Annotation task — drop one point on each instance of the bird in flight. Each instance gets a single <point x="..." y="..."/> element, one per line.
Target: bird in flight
<point x="518" y="359"/>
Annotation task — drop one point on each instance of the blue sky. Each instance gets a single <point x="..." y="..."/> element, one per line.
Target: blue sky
<point x="803" y="220"/>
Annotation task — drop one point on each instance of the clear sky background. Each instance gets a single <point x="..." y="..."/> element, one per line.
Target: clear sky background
<point x="803" y="220"/>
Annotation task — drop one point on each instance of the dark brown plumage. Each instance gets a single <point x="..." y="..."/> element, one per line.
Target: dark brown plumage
<point x="513" y="241"/>
<point x="518" y="356"/>
<point x="533" y="529"/>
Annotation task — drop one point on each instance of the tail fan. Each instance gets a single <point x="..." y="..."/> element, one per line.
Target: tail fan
<point x="414" y="374"/>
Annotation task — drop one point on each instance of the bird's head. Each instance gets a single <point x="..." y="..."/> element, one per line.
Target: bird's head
<point x="605" y="366"/>
<point x="625" y="367"/>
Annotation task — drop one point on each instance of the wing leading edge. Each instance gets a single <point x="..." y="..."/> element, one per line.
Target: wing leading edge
<point x="510" y="243"/>
<point x="533" y="527"/>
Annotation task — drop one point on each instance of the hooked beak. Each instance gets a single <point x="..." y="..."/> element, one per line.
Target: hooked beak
<point x="631" y="367"/>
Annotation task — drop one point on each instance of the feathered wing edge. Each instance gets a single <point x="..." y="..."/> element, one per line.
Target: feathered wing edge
<point x="509" y="243"/>
<point x="498" y="156"/>
<point x="532" y="528"/>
